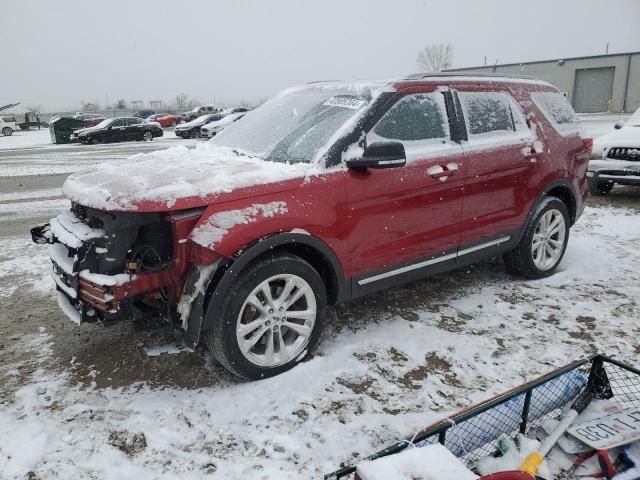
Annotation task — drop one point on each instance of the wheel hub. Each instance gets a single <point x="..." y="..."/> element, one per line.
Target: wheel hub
<point x="276" y="321"/>
<point x="548" y="240"/>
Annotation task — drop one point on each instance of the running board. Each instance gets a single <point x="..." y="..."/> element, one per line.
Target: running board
<point x="433" y="261"/>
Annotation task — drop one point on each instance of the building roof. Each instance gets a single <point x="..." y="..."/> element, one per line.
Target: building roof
<point x="544" y="61"/>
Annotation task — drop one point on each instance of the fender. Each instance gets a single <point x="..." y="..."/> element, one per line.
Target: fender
<point x="560" y="182"/>
<point x="204" y="306"/>
<point x="563" y="182"/>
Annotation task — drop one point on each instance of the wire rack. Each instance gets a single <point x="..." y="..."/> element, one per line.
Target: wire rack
<point x="472" y="433"/>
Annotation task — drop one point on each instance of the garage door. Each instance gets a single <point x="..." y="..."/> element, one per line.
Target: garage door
<point x="593" y="89"/>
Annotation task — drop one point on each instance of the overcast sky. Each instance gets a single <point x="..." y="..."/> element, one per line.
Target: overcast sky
<point x="57" y="53"/>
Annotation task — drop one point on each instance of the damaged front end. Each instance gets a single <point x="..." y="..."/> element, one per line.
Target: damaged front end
<point x="112" y="266"/>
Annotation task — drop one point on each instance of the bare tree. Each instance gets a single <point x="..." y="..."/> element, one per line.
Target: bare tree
<point x="436" y="57"/>
<point x="89" y="106"/>
<point x="181" y="101"/>
<point x="121" y="104"/>
<point x="34" y="108"/>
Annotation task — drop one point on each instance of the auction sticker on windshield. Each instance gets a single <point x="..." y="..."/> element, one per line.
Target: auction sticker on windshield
<point x="345" y="101"/>
<point x="609" y="431"/>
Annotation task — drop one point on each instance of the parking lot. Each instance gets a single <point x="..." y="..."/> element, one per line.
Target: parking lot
<point x="432" y="346"/>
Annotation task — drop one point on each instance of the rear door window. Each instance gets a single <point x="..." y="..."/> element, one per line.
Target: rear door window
<point x="492" y="115"/>
<point x="557" y="110"/>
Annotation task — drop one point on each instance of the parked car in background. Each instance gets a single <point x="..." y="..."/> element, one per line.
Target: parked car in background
<point x="8" y="125"/>
<point x="165" y="119"/>
<point x="283" y="214"/>
<point x="119" y="129"/>
<point x="143" y="113"/>
<point x="198" y="112"/>
<point x="89" y="119"/>
<point x="211" y="129"/>
<point x="235" y="110"/>
<point x="192" y="129"/>
<point x="616" y="158"/>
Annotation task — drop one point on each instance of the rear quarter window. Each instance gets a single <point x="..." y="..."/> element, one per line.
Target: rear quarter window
<point x="558" y="112"/>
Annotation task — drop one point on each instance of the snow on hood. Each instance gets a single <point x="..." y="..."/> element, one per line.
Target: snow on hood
<point x="627" y="136"/>
<point x="176" y="178"/>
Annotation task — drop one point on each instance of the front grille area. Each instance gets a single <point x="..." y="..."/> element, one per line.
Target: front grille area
<point x="631" y="154"/>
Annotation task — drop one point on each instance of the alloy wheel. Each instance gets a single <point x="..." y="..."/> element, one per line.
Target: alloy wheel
<point x="276" y="320"/>
<point x="548" y="240"/>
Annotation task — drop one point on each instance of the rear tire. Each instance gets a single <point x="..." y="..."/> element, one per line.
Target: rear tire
<point x="543" y="242"/>
<point x="271" y="316"/>
<point x="173" y="123"/>
<point x="599" y="188"/>
<point x="7" y="132"/>
<point x="195" y="134"/>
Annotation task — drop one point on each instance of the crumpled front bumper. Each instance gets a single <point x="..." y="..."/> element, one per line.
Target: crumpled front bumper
<point x="623" y="172"/>
<point x="85" y="296"/>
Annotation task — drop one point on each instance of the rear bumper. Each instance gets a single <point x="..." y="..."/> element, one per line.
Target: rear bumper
<point x="622" y="172"/>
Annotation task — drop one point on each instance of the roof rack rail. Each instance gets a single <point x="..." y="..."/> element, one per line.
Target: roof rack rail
<point x="322" y="81"/>
<point x="418" y="76"/>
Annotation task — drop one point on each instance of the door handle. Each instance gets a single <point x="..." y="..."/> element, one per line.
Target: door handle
<point x="443" y="171"/>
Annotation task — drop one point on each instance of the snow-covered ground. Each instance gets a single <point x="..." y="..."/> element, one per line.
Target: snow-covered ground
<point x="599" y="124"/>
<point x="41" y="139"/>
<point x="379" y="373"/>
<point x="387" y="364"/>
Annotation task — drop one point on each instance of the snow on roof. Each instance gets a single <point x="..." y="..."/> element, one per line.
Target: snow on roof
<point x="453" y="77"/>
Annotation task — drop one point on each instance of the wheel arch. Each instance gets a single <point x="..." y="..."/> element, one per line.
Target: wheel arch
<point x="303" y="245"/>
<point x="310" y="248"/>
<point x="563" y="190"/>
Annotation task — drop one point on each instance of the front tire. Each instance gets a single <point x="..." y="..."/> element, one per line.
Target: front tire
<point x="599" y="188"/>
<point x="270" y="317"/>
<point x="7" y="132"/>
<point x="543" y="242"/>
<point x="147" y="136"/>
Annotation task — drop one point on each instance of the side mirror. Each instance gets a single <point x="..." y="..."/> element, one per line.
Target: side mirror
<point x="617" y="126"/>
<point x="380" y="155"/>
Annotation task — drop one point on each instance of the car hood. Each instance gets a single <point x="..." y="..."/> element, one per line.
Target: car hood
<point x="179" y="178"/>
<point x="87" y="129"/>
<point x="191" y="124"/>
<point x="625" y="137"/>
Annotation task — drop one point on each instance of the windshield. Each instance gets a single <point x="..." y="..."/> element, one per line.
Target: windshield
<point x="295" y="126"/>
<point x="104" y="123"/>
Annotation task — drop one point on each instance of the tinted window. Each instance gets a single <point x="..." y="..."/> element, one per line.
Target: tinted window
<point x="414" y="117"/>
<point x="134" y="121"/>
<point x="118" y="123"/>
<point x="487" y="112"/>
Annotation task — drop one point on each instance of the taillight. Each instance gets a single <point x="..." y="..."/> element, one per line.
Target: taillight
<point x="588" y="143"/>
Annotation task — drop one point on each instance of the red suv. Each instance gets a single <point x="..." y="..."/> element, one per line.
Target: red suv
<point x="328" y="192"/>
